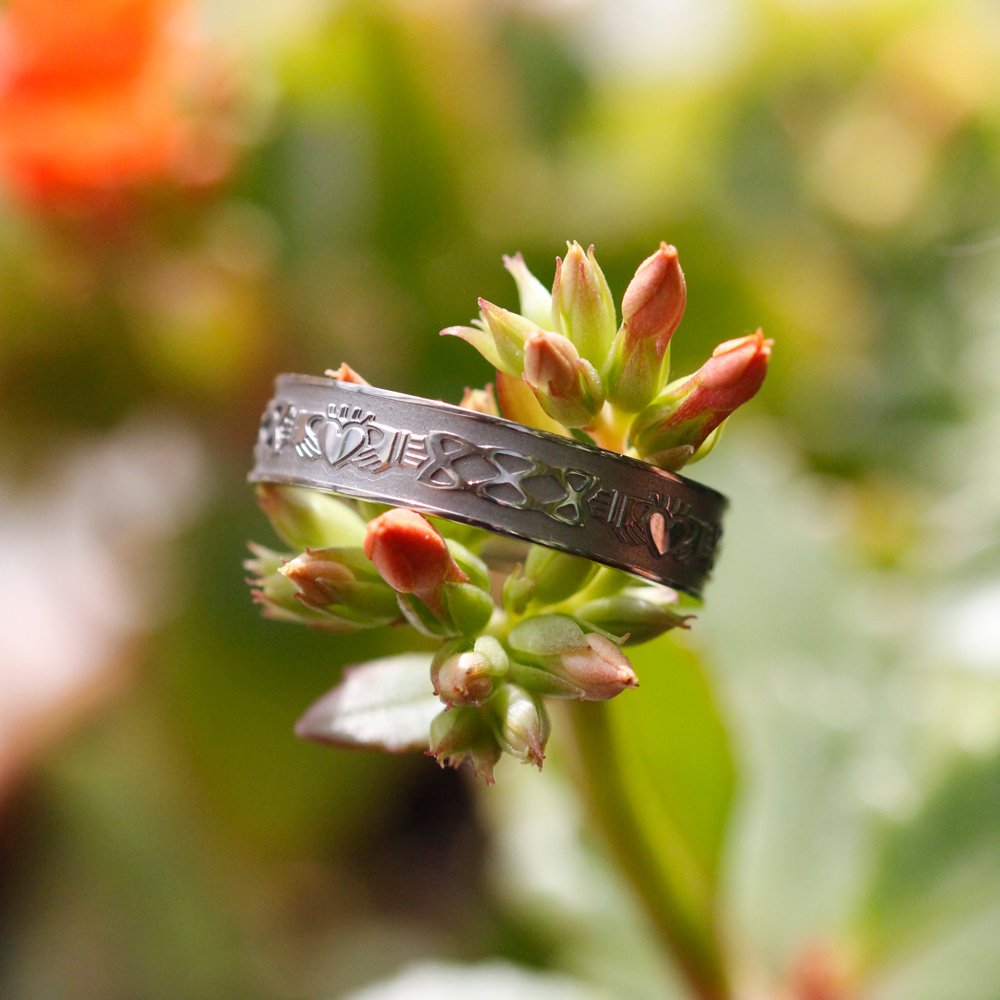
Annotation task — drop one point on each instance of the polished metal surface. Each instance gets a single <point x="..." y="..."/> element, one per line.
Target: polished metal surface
<point x="433" y="457"/>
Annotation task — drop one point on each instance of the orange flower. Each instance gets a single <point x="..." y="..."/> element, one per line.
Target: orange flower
<point x="102" y="97"/>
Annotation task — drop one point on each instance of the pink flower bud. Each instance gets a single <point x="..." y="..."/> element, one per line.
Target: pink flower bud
<point x="517" y="401"/>
<point x="600" y="669"/>
<point x="654" y="300"/>
<point x="550" y="363"/>
<point x="567" y="387"/>
<point x="672" y="428"/>
<point x="410" y="554"/>
<point x="319" y="581"/>
<point x="651" y="309"/>
<point x="480" y="400"/>
<point x="345" y="373"/>
<point x="463" y="679"/>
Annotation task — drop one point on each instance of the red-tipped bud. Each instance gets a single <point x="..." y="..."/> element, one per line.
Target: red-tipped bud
<point x="521" y="723"/>
<point x="582" y="307"/>
<point x="567" y="387"/>
<point x="651" y="310"/>
<point x="600" y="668"/>
<point x="480" y="400"/>
<point x="345" y="373"/>
<point x="410" y="554"/>
<point x="655" y="298"/>
<point x="319" y="581"/>
<point x="465" y="734"/>
<point x="595" y="667"/>
<point x="673" y="427"/>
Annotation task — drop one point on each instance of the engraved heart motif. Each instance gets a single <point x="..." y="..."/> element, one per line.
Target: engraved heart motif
<point x="340" y="442"/>
<point x="658" y="532"/>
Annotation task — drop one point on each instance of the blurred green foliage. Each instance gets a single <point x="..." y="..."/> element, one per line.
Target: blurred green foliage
<point x="828" y="172"/>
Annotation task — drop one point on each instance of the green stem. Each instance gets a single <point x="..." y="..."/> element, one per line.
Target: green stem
<point x="611" y="806"/>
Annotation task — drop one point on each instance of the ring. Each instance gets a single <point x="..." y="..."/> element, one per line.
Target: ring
<point x="492" y="473"/>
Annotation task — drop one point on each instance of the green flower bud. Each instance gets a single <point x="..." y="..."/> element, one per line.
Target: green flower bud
<point x="590" y="661"/>
<point x="462" y="609"/>
<point x="582" y="307"/>
<point x="464" y="676"/>
<point x="498" y="335"/>
<point x="566" y="386"/>
<point x="557" y="575"/>
<point x="542" y="683"/>
<point x="305" y="518"/>
<point x="465" y="734"/>
<point x="471" y="565"/>
<point x="521" y="723"/>
<point x="468" y="608"/>
<point x="639" y="613"/>
<point x="536" y="299"/>
<point x="280" y="600"/>
<point x="343" y="582"/>
<point x="547" y="577"/>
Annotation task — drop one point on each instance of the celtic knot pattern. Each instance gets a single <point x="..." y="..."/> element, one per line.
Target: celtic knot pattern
<point x="506" y="477"/>
<point x="678" y="541"/>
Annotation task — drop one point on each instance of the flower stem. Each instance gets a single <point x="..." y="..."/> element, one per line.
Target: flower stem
<point x="608" y="800"/>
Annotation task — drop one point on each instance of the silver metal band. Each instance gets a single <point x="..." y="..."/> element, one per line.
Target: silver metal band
<point x="493" y="473"/>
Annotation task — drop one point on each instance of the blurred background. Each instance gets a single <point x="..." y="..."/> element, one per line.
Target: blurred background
<point x="196" y="196"/>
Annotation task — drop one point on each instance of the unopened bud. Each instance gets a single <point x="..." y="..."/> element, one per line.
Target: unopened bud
<point x="535" y="298"/>
<point x="469" y="563"/>
<point x="343" y="582"/>
<point x="640" y="613"/>
<point x="467" y="608"/>
<point x="499" y="335"/>
<point x="567" y="387"/>
<point x="410" y="554"/>
<point x="582" y="307"/>
<point x="651" y="310"/>
<point x="601" y="670"/>
<point x="480" y="400"/>
<point x="588" y="660"/>
<point x="673" y="427"/>
<point x="345" y="373"/>
<point x="522" y="724"/>
<point x="547" y="577"/>
<point x="434" y="593"/>
<point x="466" y="676"/>
<point x="517" y="401"/>
<point x="465" y="734"/>
<point x="280" y="600"/>
<point x="305" y="518"/>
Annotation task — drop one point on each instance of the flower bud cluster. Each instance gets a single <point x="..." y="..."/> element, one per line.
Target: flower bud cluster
<point x="558" y="623"/>
<point x="565" y="363"/>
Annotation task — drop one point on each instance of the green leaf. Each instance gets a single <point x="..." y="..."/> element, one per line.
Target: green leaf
<point x="937" y="869"/>
<point x="386" y="704"/>
<point x="662" y="779"/>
